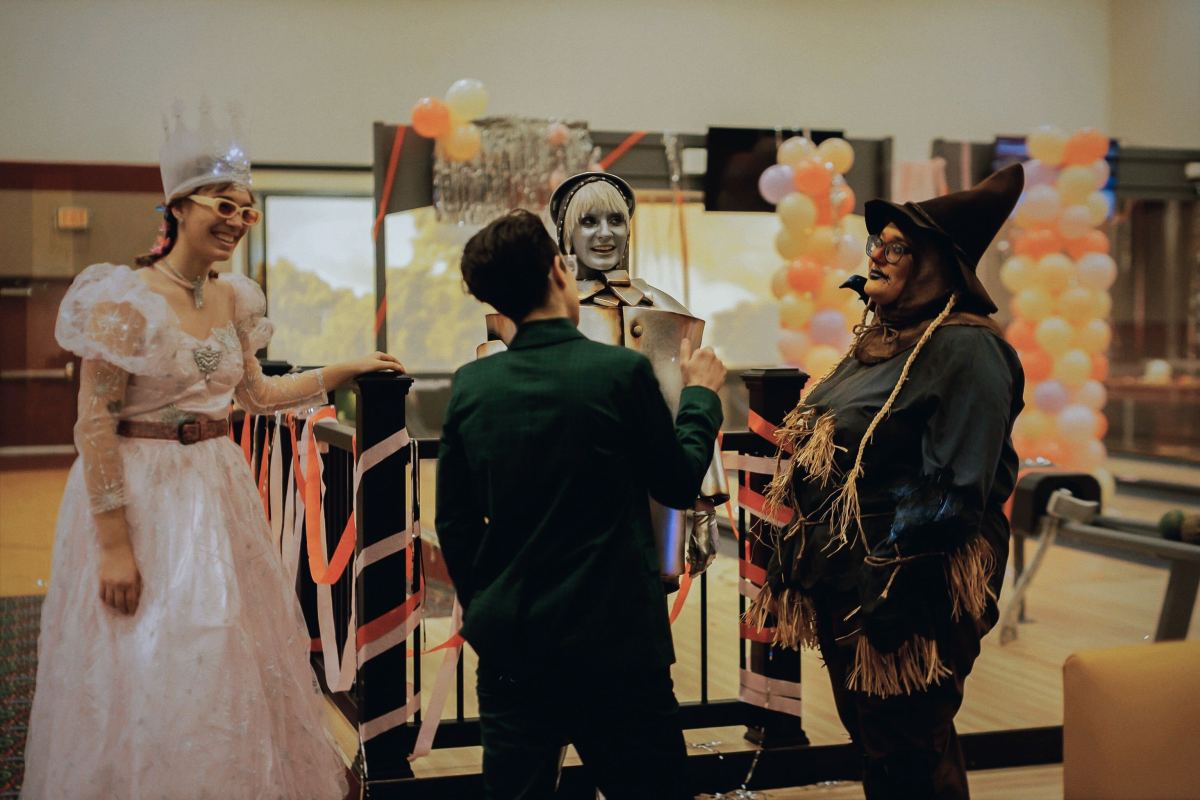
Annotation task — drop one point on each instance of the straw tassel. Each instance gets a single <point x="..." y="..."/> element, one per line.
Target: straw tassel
<point x="795" y="617"/>
<point x="968" y="573"/>
<point x="913" y="668"/>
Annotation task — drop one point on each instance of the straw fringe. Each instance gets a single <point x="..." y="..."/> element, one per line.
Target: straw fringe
<point x="795" y="617"/>
<point x="968" y="573"/>
<point x="913" y="668"/>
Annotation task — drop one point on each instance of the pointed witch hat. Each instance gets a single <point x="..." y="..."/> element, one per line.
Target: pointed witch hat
<point x="966" y="222"/>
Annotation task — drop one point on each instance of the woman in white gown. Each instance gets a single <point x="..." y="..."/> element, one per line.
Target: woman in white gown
<point x="173" y="658"/>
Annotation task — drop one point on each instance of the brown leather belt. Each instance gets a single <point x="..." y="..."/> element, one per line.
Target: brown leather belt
<point x="184" y="432"/>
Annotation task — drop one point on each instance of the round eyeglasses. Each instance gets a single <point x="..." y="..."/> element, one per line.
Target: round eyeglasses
<point x="892" y="251"/>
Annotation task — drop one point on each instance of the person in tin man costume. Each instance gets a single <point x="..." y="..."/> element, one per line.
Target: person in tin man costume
<point x="897" y="464"/>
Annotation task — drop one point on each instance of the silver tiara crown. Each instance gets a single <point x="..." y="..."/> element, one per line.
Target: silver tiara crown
<point x="203" y="155"/>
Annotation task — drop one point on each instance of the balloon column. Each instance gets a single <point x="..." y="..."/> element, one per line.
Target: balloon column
<point x="452" y="121"/>
<point x="1059" y="272"/>
<point x="812" y="200"/>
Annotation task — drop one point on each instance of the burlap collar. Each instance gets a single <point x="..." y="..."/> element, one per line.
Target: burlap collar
<point x="881" y="340"/>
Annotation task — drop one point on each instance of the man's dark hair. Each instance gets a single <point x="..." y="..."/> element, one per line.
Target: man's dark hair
<point x="507" y="264"/>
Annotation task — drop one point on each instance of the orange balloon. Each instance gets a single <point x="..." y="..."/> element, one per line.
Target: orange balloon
<point x="1085" y="146"/>
<point x="1091" y="242"/>
<point x="805" y="276"/>
<point x="1023" y="445"/>
<point x="1020" y="334"/>
<point x="1051" y="450"/>
<point x="431" y="117"/>
<point x="825" y="211"/>
<point x="1038" y="365"/>
<point x="813" y="178"/>
<point x="780" y="286"/>
<point x="1099" y="366"/>
<point x="1038" y="243"/>
<point x="1101" y="425"/>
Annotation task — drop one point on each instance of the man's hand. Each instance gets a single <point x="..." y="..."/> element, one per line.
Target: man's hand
<point x="701" y="368"/>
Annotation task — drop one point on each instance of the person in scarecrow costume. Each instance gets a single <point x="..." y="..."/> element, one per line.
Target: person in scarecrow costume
<point x="897" y="464"/>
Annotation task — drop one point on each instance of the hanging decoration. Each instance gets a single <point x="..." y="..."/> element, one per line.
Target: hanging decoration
<point x="813" y="202"/>
<point x="1059" y="271"/>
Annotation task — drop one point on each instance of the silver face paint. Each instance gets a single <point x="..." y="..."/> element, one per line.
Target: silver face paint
<point x="600" y="239"/>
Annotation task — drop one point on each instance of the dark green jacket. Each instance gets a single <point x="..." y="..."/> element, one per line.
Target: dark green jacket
<point x="548" y="453"/>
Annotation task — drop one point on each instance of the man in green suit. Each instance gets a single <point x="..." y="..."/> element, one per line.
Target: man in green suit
<point x="548" y="453"/>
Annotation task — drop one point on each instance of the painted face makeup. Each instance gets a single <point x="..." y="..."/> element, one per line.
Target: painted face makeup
<point x="600" y="239"/>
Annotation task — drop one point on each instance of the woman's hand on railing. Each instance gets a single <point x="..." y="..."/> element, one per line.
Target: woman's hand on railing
<point x="337" y="374"/>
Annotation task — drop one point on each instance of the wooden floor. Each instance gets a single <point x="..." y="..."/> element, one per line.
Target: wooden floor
<point x="1079" y="601"/>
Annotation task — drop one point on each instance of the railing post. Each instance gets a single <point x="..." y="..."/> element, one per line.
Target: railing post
<point x="773" y="393"/>
<point x="382" y="504"/>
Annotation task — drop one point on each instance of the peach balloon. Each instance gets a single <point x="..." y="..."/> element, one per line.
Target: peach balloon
<point x="821" y="243"/>
<point x="812" y="177"/>
<point x="832" y="295"/>
<point x="1053" y="273"/>
<point x="793" y="346"/>
<point x="838" y="152"/>
<point x="795" y="150"/>
<point x="1101" y="427"/>
<point x="1092" y="394"/>
<point x="467" y="99"/>
<point x="1076" y="305"/>
<point x="1099" y="367"/>
<point x="1054" y="334"/>
<point x="796" y="311"/>
<point x="1033" y="303"/>
<point x="1016" y="273"/>
<point x="1073" y="368"/>
<point x="1051" y="450"/>
<point x="1075" y="221"/>
<point x="1047" y="144"/>
<point x="463" y="142"/>
<point x="1033" y="425"/>
<point x="805" y="276"/>
<point x="1098" y="208"/>
<point x="797" y="212"/>
<point x="1075" y="184"/>
<point x="779" y="283"/>
<point x="789" y="245"/>
<point x="1093" y="336"/>
<point x="850" y="254"/>
<point x="843" y="200"/>
<point x="1102" y="305"/>
<point x="825" y="211"/>
<point x="1101" y="172"/>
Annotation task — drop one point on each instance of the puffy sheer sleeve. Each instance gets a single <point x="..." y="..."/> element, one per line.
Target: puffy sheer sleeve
<point x="111" y="319"/>
<point x="301" y="392"/>
<point x="101" y="395"/>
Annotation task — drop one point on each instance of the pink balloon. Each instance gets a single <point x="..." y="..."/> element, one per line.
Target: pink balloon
<point x="1096" y="271"/>
<point x="1038" y="174"/>
<point x="1092" y="394"/>
<point x="1077" y="423"/>
<point x="793" y="346"/>
<point x="828" y="327"/>
<point x="1051" y="396"/>
<point x="776" y="182"/>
